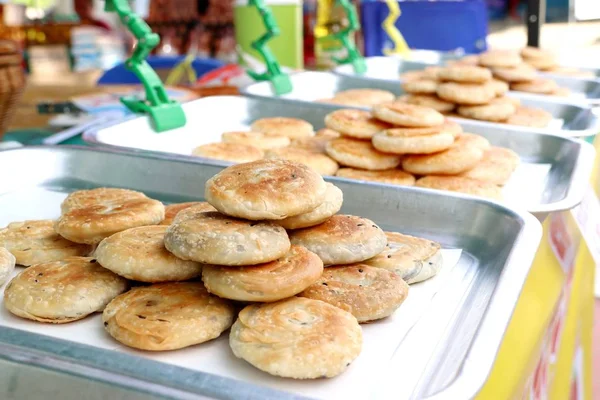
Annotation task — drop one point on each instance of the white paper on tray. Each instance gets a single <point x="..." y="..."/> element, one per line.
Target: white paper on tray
<point x="134" y="134"/>
<point x="556" y="124"/>
<point x="365" y="378"/>
<point x="527" y="185"/>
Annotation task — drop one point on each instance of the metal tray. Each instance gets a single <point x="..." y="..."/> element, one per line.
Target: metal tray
<point x="584" y="91"/>
<point x="573" y="120"/>
<point x="432" y="57"/>
<point x="447" y="353"/>
<point x="553" y="176"/>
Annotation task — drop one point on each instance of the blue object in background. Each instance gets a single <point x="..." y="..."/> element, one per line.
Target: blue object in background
<point x="497" y="9"/>
<point x="443" y="25"/>
<point x="119" y="75"/>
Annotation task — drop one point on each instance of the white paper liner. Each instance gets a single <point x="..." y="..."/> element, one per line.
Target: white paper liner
<point x="365" y="378"/>
<point x="527" y="185"/>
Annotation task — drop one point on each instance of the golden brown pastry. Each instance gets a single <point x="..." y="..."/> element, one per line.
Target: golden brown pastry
<point x="266" y="189"/>
<point x="297" y="338"/>
<point x="62" y="291"/>
<point x="167" y="316"/>
<point x="272" y="281"/>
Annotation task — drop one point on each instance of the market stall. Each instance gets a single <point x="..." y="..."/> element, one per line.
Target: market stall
<point x="308" y="234"/>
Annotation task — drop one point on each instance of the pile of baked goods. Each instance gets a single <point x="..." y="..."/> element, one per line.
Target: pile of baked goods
<point x="269" y="241"/>
<point x="398" y="142"/>
<point x="472" y="92"/>
<point x="360" y="97"/>
<point x="520" y="71"/>
<point x="283" y="138"/>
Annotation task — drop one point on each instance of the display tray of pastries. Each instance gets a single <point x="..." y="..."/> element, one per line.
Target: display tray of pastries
<point x="260" y="272"/>
<point x="394" y="143"/>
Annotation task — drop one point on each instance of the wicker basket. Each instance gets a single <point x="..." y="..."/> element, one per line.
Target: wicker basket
<point x="12" y="82"/>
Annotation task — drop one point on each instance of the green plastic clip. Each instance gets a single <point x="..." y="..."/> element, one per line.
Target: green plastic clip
<point x="164" y="113"/>
<point x="354" y="57"/>
<point x="281" y="82"/>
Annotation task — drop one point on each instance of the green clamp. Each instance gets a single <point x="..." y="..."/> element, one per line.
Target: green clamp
<point x="164" y="113"/>
<point x="354" y="57"/>
<point x="281" y="82"/>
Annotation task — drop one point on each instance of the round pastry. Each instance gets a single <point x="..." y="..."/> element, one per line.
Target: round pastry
<point x="172" y="210"/>
<point x="539" y="86"/>
<point x="390" y="176"/>
<point x="347" y="102"/>
<point x="410" y="132"/>
<point x="401" y="142"/>
<point x="432" y="72"/>
<point x="465" y="73"/>
<point x="410" y="76"/>
<point x="232" y="152"/>
<point x="92" y="224"/>
<point x="466" y="93"/>
<point x="314" y="144"/>
<point x="530" y="117"/>
<point x="500" y="58"/>
<point x="360" y="154"/>
<point x="455" y="160"/>
<point x="297" y="338"/>
<point x="62" y="291"/>
<point x="272" y="281"/>
<point x="570" y="71"/>
<point x="7" y="265"/>
<point x="280" y="126"/>
<point x="420" y="86"/>
<point x="452" y="127"/>
<point x="321" y="163"/>
<point x="535" y="52"/>
<point x="412" y="258"/>
<point x="327" y="133"/>
<point x="430" y="101"/>
<point x="214" y="238"/>
<point x="472" y="59"/>
<point x="500" y="87"/>
<point x="562" y="92"/>
<point x="461" y="185"/>
<point x="256" y="139"/>
<point x="494" y="112"/>
<point x="470" y="139"/>
<point x="330" y="206"/>
<point x="192" y="211"/>
<point x="366" y="97"/>
<point x="86" y="198"/>
<point x="342" y="239"/>
<point x="355" y="123"/>
<point x="520" y="73"/>
<point x="266" y="189"/>
<point x="36" y="242"/>
<point x="139" y="254"/>
<point x="507" y="100"/>
<point x="366" y="292"/>
<point x="167" y="316"/>
<point x="496" y="167"/>
<point x="408" y="115"/>
<point x="542" y="63"/>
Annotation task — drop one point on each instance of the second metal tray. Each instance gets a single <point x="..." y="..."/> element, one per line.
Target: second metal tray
<point x="553" y="176"/>
<point x="432" y="57"/>
<point x="569" y="119"/>
<point x="447" y="351"/>
<point x="584" y="91"/>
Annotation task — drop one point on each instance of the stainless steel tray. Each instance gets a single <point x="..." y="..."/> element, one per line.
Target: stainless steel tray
<point x="553" y="177"/>
<point x="432" y="57"/>
<point x="573" y="120"/>
<point x="446" y="354"/>
<point x="584" y="91"/>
